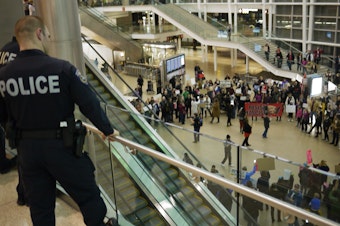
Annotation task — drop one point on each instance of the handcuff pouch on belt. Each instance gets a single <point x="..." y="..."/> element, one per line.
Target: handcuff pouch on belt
<point x="74" y="136"/>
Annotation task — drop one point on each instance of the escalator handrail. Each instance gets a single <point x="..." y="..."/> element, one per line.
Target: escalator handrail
<point x="243" y="190"/>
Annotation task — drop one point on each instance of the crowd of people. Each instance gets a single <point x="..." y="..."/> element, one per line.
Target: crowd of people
<point x="306" y="63"/>
<point x="309" y="191"/>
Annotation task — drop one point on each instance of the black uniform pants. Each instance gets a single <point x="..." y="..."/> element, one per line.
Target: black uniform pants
<point x="44" y="162"/>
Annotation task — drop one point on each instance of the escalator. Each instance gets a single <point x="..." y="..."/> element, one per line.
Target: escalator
<point x="101" y="28"/>
<point x="132" y="203"/>
<point x="173" y="182"/>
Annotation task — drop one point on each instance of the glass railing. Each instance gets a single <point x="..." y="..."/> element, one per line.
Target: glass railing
<point x="171" y="181"/>
<point x="129" y="196"/>
<point x="238" y="206"/>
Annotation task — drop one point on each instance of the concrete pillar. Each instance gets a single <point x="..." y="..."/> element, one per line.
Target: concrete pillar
<point x="199" y="11"/>
<point x="310" y="24"/>
<point x="264" y="19"/>
<point x="62" y="20"/>
<point x="270" y="18"/>
<point x="234" y="30"/>
<point x="230" y="13"/>
<point x="235" y="57"/>
<point x="179" y="43"/>
<point x="205" y="11"/>
<point x="304" y="25"/>
<point x="232" y="58"/>
<point x="10" y="12"/>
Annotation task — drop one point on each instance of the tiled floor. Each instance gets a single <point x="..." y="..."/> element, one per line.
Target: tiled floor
<point x="284" y="140"/>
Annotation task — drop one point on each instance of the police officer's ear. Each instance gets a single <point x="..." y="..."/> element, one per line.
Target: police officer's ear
<point x="42" y="33"/>
<point x="39" y="33"/>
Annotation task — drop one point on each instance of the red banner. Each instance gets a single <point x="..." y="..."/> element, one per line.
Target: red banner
<point x="259" y="109"/>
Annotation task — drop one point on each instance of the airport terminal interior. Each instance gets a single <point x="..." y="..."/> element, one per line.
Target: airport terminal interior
<point x="285" y="140"/>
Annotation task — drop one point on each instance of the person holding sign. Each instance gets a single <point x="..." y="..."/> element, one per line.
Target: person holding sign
<point x="290" y="106"/>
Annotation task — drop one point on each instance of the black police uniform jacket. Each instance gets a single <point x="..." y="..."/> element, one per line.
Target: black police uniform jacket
<point x="9" y="52"/>
<point x="40" y="91"/>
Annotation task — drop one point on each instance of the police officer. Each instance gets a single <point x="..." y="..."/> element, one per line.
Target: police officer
<point x="38" y="93"/>
<point x="7" y="54"/>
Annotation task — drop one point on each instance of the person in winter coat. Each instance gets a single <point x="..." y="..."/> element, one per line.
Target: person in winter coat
<point x="216" y="112"/>
<point x="246" y="132"/>
<point x="252" y="207"/>
<point x="266" y="122"/>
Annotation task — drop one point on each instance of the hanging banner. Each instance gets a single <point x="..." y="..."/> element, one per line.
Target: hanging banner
<point x="259" y="109"/>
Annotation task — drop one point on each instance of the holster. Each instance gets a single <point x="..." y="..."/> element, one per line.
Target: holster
<point x="74" y="136"/>
<point x="79" y="138"/>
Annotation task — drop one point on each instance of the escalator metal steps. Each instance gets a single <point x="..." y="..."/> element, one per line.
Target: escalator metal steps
<point x="203" y="216"/>
<point x="133" y="205"/>
<point x="155" y="221"/>
<point x="119" y="173"/>
<point x="100" y="89"/>
<point x="129" y="193"/>
<point x="213" y="220"/>
<point x="93" y="82"/>
<point x="143" y="214"/>
<point x="156" y="164"/>
<point x="187" y="191"/>
<point x="189" y="202"/>
<point x="106" y="96"/>
<point x="175" y="185"/>
<point x="141" y="140"/>
<point x="122" y="182"/>
<point x="170" y="173"/>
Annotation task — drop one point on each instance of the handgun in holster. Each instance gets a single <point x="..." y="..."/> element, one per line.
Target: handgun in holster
<point x="79" y="138"/>
<point x="74" y="133"/>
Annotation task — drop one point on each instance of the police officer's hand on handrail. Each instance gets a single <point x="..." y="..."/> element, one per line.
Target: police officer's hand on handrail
<point x="112" y="136"/>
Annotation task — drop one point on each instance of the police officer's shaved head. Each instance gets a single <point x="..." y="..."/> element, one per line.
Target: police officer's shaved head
<point x="31" y="33"/>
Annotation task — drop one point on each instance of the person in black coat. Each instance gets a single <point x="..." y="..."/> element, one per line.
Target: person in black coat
<point x="8" y="53"/>
<point x="252" y="207"/>
<point x="317" y="124"/>
<point x="246" y="132"/>
<point x="263" y="183"/>
<point x="266" y="122"/>
<point x="140" y="81"/>
<point x="276" y="193"/>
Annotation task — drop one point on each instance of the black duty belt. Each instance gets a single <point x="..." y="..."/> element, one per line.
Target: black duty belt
<point x="41" y="134"/>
